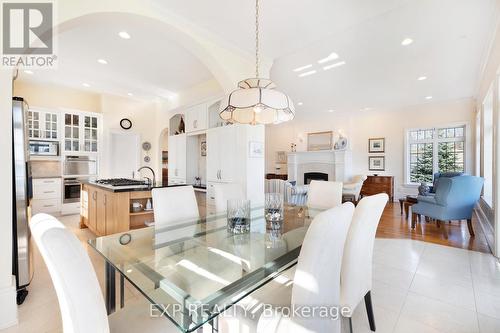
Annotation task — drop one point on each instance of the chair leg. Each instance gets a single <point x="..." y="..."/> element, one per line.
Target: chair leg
<point x="350" y="324"/>
<point x="369" y="311"/>
<point x="413" y="220"/>
<point x="469" y="225"/>
<point x="438" y="223"/>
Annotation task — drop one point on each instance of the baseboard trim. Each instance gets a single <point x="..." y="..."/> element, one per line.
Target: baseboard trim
<point x="485" y="217"/>
<point x="8" y="315"/>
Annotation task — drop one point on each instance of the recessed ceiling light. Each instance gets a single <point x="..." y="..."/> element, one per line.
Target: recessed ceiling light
<point x="86" y="85"/>
<point x="421" y="78"/>
<point x="331" y="56"/>
<point x="366" y="109"/>
<point x="307" y="73"/>
<point x="130" y="94"/>
<point x="300" y="103"/>
<point x="172" y="97"/>
<point x="298" y="69"/>
<point x="428" y="97"/>
<point x="102" y="61"/>
<point x="407" y="41"/>
<point x="124" y="35"/>
<point x="337" y="64"/>
<point x="27" y="71"/>
<point x="331" y="110"/>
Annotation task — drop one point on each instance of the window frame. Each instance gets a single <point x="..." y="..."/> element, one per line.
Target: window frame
<point x="435" y="142"/>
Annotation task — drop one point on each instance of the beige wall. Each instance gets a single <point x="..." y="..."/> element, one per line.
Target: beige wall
<point x="54" y="96"/>
<point x="362" y="125"/>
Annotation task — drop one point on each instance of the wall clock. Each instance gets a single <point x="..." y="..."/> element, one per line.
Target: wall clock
<point x="125" y="123"/>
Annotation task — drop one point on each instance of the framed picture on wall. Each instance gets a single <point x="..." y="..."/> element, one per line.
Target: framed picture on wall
<point x="203" y="148"/>
<point x="256" y="149"/>
<point x="376" y="163"/>
<point x="320" y="141"/>
<point x="376" y="145"/>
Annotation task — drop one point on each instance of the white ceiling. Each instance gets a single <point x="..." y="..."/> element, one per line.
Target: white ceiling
<point x="450" y="39"/>
<point x="148" y="65"/>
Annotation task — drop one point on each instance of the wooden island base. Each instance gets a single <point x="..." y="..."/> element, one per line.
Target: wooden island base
<point x="106" y="212"/>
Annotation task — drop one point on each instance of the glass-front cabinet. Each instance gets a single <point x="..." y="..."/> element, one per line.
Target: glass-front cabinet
<point x="90" y="133"/>
<point x="81" y="132"/>
<point x="42" y="125"/>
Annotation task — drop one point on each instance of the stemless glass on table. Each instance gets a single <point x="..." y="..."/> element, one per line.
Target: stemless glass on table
<point x="238" y="216"/>
<point x="273" y="210"/>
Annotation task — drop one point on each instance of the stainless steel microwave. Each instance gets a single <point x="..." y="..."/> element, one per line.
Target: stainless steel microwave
<point x="44" y="148"/>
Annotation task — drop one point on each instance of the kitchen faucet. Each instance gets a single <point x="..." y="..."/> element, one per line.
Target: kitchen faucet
<point x="152" y="171"/>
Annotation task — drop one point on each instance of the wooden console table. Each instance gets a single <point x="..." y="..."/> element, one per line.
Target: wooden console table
<point x="379" y="184"/>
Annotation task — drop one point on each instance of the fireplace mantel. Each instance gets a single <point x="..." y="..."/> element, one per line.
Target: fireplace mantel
<point x="335" y="163"/>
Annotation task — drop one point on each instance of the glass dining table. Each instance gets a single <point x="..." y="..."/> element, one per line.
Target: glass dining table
<point x="193" y="271"/>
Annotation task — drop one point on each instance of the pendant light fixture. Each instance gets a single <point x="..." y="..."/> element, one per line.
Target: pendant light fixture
<point x="256" y="101"/>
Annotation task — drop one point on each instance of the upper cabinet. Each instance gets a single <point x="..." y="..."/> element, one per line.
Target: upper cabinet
<point x="43" y="124"/>
<point x="197" y="118"/>
<point x="81" y="132"/>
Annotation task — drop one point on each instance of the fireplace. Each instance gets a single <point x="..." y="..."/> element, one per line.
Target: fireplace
<point x="308" y="176"/>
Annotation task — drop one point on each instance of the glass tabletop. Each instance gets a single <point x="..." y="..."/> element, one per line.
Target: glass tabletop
<point x="192" y="271"/>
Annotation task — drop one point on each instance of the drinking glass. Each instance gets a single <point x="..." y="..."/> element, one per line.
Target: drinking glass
<point x="274" y="210"/>
<point x="238" y="216"/>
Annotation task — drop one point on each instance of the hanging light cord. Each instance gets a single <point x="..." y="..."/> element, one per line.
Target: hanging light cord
<point x="257" y="38"/>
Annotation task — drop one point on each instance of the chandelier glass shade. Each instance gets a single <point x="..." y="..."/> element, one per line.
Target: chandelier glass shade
<point x="257" y="102"/>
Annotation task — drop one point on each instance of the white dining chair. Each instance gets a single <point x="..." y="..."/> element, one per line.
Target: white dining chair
<point x="77" y="288"/>
<point x="356" y="279"/>
<point x="314" y="281"/>
<point x="225" y="192"/>
<point x="354" y="186"/>
<point x="172" y="205"/>
<point x="324" y="195"/>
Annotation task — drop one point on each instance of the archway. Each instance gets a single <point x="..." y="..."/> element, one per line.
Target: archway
<point x="163" y="155"/>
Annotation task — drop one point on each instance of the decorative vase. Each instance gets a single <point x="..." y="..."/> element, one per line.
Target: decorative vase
<point x="423" y="189"/>
<point x="182" y="126"/>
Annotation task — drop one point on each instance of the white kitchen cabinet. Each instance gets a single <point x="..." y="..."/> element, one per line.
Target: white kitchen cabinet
<point x="43" y="124"/>
<point x="81" y="132"/>
<point x="177" y="159"/>
<point x="221" y="154"/>
<point x="229" y="161"/>
<point x="47" y="195"/>
<point x="196" y="118"/>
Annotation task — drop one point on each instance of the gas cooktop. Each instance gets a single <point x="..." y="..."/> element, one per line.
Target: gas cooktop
<point x="119" y="182"/>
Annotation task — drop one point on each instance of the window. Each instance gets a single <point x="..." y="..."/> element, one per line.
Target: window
<point x="434" y="150"/>
<point x="487" y="152"/>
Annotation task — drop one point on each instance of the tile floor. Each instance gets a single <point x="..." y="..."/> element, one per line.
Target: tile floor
<point x="417" y="287"/>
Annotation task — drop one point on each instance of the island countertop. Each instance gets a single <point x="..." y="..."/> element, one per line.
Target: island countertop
<point x="149" y="187"/>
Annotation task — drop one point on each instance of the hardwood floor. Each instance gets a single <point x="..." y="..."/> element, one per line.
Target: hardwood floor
<point x="394" y="225"/>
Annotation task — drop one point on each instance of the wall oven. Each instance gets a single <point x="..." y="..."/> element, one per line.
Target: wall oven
<point x="44" y="148"/>
<point x="80" y="166"/>
<point x="71" y="189"/>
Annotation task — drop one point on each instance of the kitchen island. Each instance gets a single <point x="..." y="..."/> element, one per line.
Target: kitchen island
<point x="106" y="210"/>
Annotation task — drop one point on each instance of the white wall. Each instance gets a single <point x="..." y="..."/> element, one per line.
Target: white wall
<point x="8" y="306"/>
<point x="143" y="115"/>
<point x="362" y="125"/>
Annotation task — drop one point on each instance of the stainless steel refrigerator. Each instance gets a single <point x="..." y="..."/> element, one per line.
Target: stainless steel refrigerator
<point x="22" y="193"/>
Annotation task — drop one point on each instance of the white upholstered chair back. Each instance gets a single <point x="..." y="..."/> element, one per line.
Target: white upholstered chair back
<point x="324" y="195"/>
<point x="174" y="204"/>
<point x="358" y="254"/>
<point x="80" y="298"/>
<point x="354" y="186"/>
<point x="317" y="276"/>
<point x="225" y="192"/>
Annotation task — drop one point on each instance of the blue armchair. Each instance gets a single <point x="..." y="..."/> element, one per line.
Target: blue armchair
<point x="438" y="175"/>
<point x="455" y="199"/>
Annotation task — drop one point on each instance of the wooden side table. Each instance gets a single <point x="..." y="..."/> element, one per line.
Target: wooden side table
<point x="405" y="204"/>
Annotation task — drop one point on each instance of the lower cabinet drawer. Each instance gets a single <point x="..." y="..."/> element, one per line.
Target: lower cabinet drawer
<point x="46" y="206"/>
<point x="49" y="188"/>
